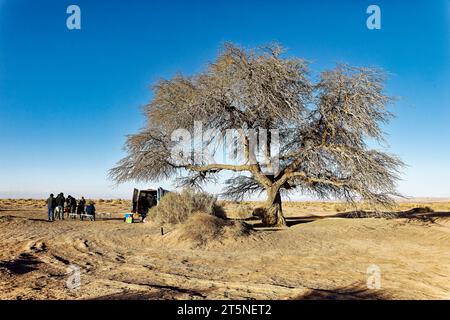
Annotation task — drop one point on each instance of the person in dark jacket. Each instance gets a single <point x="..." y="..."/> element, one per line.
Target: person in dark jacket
<point x="143" y="207"/>
<point x="90" y="209"/>
<point x="51" y="204"/>
<point x="81" y="206"/>
<point x="71" y="203"/>
<point x="60" y="200"/>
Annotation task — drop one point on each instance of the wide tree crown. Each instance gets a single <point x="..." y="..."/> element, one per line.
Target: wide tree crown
<point x="320" y="126"/>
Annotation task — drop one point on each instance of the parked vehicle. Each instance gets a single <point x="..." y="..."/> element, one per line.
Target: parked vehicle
<point x="143" y="200"/>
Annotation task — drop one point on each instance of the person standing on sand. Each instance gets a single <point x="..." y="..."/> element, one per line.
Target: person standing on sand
<point x="90" y="209"/>
<point x="51" y="204"/>
<point x="67" y="203"/>
<point x="73" y="205"/>
<point x="81" y="205"/>
<point x="60" y="200"/>
<point x="56" y="211"/>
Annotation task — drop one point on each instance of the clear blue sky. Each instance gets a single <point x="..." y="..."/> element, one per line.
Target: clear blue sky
<point x="68" y="98"/>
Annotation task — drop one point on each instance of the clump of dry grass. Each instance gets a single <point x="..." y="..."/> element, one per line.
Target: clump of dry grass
<point x="198" y="219"/>
<point x="340" y="207"/>
<point x="243" y="211"/>
<point x="176" y="208"/>
<point x="202" y="228"/>
<point x="236" y="229"/>
<point x="259" y="212"/>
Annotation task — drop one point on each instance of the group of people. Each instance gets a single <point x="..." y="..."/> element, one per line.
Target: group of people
<point x="59" y="205"/>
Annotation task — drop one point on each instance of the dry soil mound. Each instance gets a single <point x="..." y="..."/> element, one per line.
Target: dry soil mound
<point x="202" y="229"/>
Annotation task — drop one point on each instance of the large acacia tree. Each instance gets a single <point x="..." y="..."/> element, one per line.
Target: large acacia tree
<point x="324" y="124"/>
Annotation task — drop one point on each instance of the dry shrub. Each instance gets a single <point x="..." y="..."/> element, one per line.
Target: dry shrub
<point x="38" y="204"/>
<point x="6" y="204"/>
<point x="176" y="208"/>
<point x="236" y="229"/>
<point x="202" y="228"/>
<point x="243" y="211"/>
<point x="259" y="212"/>
<point x="340" y="207"/>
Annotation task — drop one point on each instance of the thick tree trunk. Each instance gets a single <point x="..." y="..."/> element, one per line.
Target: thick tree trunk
<point x="274" y="213"/>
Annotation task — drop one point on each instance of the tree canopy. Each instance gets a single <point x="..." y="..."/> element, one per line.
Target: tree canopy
<point x="321" y="126"/>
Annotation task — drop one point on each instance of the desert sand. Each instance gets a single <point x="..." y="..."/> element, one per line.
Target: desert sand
<point x="320" y="256"/>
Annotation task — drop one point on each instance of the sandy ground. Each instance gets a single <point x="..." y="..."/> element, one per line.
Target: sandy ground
<point x="318" y="257"/>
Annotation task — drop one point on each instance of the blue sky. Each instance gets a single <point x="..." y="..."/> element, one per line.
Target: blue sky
<point x="68" y="98"/>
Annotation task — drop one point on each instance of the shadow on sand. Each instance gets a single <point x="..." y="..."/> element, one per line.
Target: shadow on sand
<point x="346" y="293"/>
<point x="23" y="264"/>
<point x="419" y="214"/>
<point x="349" y="293"/>
<point x="159" y="292"/>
